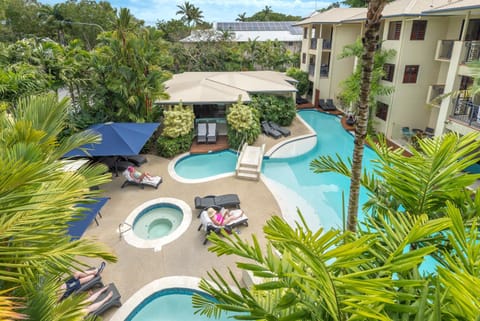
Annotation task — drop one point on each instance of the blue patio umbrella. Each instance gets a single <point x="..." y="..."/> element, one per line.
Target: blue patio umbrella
<point x="118" y="139"/>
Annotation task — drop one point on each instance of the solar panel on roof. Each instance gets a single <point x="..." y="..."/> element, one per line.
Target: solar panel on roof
<point x="261" y="26"/>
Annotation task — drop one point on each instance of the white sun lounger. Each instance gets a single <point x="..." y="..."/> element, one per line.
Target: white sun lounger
<point x="209" y="226"/>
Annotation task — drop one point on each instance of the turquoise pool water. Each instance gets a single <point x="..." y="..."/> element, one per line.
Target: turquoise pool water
<point x="173" y="304"/>
<point x="317" y="193"/>
<point x="157" y="221"/>
<point x="206" y="165"/>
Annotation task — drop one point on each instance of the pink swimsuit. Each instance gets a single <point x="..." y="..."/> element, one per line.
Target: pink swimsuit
<point x="219" y="218"/>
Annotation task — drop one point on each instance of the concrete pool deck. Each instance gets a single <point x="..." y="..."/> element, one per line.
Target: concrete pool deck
<point x="185" y="256"/>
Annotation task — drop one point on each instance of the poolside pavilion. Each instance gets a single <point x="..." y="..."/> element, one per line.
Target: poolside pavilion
<point x="211" y="93"/>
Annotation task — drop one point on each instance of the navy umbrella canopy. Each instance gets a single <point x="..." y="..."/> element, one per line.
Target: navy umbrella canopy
<point x="118" y="139"/>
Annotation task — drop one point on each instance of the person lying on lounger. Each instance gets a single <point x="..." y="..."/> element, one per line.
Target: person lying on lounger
<point x="223" y="219"/>
<point x="78" y="278"/>
<point x="93" y="306"/>
<point x="137" y="175"/>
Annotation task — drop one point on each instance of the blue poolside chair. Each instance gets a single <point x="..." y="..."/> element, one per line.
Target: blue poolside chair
<point x="407" y="133"/>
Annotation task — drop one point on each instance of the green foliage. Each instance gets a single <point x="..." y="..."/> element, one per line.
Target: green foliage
<point x="190" y="14"/>
<point x="350" y="94"/>
<point x="421" y="183"/>
<point x="178" y="121"/>
<point x="267" y="14"/>
<point x="173" y="30"/>
<point x="243" y="124"/>
<point x="279" y="109"/>
<point x="355" y="3"/>
<point x="170" y="147"/>
<point x="302" y="78"/>
<point x="38" y="201"/>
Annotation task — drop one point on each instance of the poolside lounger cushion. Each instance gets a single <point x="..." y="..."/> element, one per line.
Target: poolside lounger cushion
<point x="202" y="133"/>
<point x="269" y="131"/>
<point x="330" y="105"/>
<point x="284" y="131"/>
<point x="209" y="226"/>
<point x="226" y="200"/>
<point x="212" y="133"/>
<point x="73" y="285"/>
<point x="113" y="302"/>
<point x="153" y="181"/>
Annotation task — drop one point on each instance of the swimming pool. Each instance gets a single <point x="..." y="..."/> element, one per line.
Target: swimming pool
<point x="318" y="196"/>
<point x="173" y="304"/>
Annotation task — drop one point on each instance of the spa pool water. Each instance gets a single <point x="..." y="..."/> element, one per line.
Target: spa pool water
<point x="157" y="221"/>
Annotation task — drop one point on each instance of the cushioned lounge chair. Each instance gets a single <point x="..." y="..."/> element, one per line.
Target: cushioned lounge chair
<point x="226" y="200"/>
<point x="153" y="181"/>
<point x="202" y="133"/>
<point x="284" y="131"/>
<point x="114" y="301"/>
<point x="269" y="131"/>
<point x="407" y="133"/>
<point x="330" y="105"/>
<point x="96" y="282"/>
<point x="209" y="226"/>
<point x="212" y="133"/>
<point x="429" y="132"/>
<point x="322" y="104"/>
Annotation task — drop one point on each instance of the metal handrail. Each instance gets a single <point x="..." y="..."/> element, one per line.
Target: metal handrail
<point x="124" y="231"/>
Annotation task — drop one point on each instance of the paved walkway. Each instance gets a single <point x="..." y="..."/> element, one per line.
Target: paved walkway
<point x="185" y="256"/>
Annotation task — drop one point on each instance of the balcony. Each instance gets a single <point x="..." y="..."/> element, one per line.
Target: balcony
<point x="311" y="70"/>
<point x="472" y="52"/>
<point x="466" y="112"/>
<point x="313" y="43"/>
<point x="435" y="91"/>
<point x="444" y="50"/>
<point x="324" y="70"/>
<point x="327" y="44"/>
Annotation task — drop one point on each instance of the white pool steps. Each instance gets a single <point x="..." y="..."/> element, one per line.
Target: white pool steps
<point x="249" y="163"/>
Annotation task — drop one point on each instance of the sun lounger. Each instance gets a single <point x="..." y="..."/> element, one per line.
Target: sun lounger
<point x="114" y="301"/>
<point x="284" y="131"/>
<point x="407" y="133"/>
<point x="330" y="106"/>
<point x="153" y="181"/>
<point x="322" y="104"/>
<point x="202" y="133"/>
<point x="137" y="160"/>
<point x="96" y="282"/>
<point x="226" y="200"/>
<point x="269" y="131"/>
<point x="212" y="133"/>
<point x="209" y="226"/>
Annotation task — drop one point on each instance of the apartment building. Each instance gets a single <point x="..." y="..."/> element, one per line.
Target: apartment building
<point x="433" y="40"/>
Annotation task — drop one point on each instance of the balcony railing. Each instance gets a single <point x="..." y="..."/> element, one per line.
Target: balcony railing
<point x="467" y="112"/>
<point x="327" y="44"/>
<point x="444" y="49"/>
<point x="434" y="91"/>
<point x="473" y="51"/>
<point x="313" y="43"/>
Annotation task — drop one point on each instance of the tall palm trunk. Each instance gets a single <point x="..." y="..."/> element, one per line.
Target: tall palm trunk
<point x="370" y="41"/>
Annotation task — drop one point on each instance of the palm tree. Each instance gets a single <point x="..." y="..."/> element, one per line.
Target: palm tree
<point x="38" y="201"/>
<point x="370" y="40"/>
<point x="53" y="17"/>
<point x="266" y="13"/>
<point x="190" y="14"/>
<point x="241" y="17"/>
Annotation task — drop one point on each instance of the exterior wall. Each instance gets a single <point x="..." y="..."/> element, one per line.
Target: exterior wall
<point x="340" y="69"/>
<point x="407" y="104"/>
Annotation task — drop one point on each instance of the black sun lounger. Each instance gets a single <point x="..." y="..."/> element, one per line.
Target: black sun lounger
<point x="114" y="301"/>
<point x="284" y="131"/>
<point x="226" y="200"/>
<point x="269" y="131"/>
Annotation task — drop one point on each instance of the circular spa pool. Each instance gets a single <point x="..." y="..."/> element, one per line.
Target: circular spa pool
<point x="156" y="223"/>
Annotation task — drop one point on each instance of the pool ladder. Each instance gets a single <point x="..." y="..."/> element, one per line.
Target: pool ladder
<point x="121" y="229"/>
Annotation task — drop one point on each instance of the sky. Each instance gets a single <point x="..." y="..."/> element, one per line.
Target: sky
<point x="152" y="11"/>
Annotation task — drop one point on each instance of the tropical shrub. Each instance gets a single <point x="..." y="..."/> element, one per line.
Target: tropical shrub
<point x="243" y="125"/>
<point x="178" y="121"/>
<point x="279" y="109"/>
<point x="169" y="147"/>
<point x="302" y="78"/>
<point x="177" y="134"/>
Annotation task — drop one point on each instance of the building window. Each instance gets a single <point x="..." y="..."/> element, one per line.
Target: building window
<point x="418" y="30"/>
<point x="305" y="33"/>
<point x="304" y="58"/>
<point x="382" y="111"/>
<point x="410" y="76"/>
<point x="388" y="69"/>
<point x="394" y="28"/>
